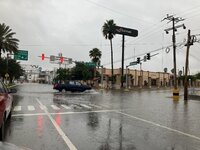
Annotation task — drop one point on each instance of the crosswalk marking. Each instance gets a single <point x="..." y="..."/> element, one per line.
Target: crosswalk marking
<point x="43" y="107"/>
<point x="66" y="107"/>
<point x="17" y="108"/>
<point x="93" y="105"/>
<point x="86" y="106"/>
<point x="31" y="108"/>
<point x="55" y="107"/>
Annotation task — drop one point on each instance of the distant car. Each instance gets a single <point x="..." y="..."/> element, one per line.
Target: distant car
<point x="72" y="86"/>
<point x="6" y="100"/>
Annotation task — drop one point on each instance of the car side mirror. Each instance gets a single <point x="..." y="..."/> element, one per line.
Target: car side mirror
<point x="12" y="90"/>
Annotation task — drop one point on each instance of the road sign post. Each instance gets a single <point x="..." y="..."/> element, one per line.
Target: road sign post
<point x="124" y="31"/>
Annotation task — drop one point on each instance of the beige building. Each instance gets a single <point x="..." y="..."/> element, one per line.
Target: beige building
<point x="137" y="78"/>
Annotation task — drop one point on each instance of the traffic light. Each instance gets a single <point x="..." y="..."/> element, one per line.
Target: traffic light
<point x="42" y="56"/>
<point x="148" y="56"/>
<point x="138" y="60"/>
<point x="61" y="60"/>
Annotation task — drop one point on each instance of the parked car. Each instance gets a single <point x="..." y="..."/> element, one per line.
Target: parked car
<point x="72" y="86"/>
<point x="6" y="100"/>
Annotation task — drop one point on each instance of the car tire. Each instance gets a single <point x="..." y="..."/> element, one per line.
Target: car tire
<point x="2" y="131"/>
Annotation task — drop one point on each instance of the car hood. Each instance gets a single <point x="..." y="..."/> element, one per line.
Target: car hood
<point x="9" y="146"/>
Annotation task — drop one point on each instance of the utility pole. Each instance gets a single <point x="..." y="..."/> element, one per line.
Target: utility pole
<point x="190" y="41"/>
<point x="174" y="20"/>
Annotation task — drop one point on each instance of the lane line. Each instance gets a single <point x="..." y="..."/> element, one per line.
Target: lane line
<point x="17" y="108"/>
<point x="161" y="126"/>
<point x="86" y="106"/>
<point x="64" y="113"/>
<point x="66" y="107"/>
<point x="60" y="131"/>
<point x="31" y="108"/>
<point x="55" y="107"/>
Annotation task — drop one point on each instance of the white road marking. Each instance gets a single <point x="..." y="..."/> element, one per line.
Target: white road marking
<point x="43" y="107"/>
<point x="31" y="108"/>
<point x="62" y="134"/>
<point x="93" y="105"/>
<point x="64" y="113"/>
<point x="66" y="107"/>
<point x="161" y="126"/>
<point x="17" y="108"/>
<point x="86" y="106"/>
<point x="55" y="107"/>
<point x="26" y="115"/>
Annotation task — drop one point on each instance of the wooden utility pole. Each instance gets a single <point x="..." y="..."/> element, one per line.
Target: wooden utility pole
<point x="174" y="28"/>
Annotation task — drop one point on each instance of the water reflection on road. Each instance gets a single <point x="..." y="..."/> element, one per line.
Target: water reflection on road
<point x="106" y="120"/>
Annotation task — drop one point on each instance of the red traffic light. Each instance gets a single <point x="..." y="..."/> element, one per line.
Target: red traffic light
<point x="42" y="56"/>
<point x="61" y="59"/>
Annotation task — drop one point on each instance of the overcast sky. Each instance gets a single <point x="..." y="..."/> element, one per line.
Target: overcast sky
<point x="74" y="27"/>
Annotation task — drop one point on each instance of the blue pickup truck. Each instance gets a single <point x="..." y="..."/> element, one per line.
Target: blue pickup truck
<point x="72" y="86"/>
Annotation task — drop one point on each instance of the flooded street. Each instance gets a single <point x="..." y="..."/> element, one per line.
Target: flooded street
<point x="44" y="119"/>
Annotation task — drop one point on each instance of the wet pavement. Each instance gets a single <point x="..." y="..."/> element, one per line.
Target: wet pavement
<point x="44" y="119"/>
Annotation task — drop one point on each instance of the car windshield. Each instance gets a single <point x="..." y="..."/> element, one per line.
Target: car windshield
<point x="100" y="74"/>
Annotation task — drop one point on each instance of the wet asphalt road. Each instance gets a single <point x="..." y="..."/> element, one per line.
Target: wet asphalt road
<point x="44" y="119"/>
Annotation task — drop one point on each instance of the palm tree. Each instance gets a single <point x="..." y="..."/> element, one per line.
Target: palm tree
<point x="7" y="42"/>
<point x="108" y="30"/>
<point x="95" y="55"/>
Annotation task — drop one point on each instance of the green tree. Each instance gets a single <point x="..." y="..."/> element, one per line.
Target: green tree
<point x="108" y="30"/>
<point x="197" y="76"/>
<point x="11" y="67"/>
<point x="62" y="75"/>
<point x="7" y="42"/>
<point x="81" y="72"/>
<point x="95" y="55"/>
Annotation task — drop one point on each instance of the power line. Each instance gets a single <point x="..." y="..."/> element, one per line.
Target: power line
<point x="132" y="57"/>
<point x="115" y="11"/>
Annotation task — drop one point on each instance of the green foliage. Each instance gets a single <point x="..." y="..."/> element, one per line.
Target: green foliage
<point x="62" y="75"/>
<point x="95" y="55"/>
<point x="197" y="76"/>
<point x="108" y="29"/>
<point x="7" y="42"/>
<point x="14" y="69"/>
<point x="82" y="72"/>
<point x="79" y="72"/>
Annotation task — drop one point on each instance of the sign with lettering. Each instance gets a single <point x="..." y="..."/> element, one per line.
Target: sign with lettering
<point x="126" y="31"/>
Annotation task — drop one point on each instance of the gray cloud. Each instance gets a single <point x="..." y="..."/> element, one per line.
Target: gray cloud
<point x="73" y="27"/>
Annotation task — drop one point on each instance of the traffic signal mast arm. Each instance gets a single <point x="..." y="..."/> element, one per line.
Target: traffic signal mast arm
<point x="135" y="62"/>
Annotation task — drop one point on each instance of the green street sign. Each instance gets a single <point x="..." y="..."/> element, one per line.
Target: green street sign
<point x="90" y="64"/>
<point x="21" y="55"/>
<point x="133" y="63"/>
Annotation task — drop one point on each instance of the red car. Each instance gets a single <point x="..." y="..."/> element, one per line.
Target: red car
<point x="6" y="100"/>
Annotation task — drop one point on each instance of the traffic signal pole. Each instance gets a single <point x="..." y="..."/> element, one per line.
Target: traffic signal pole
<point x="186" y="67"/>
<point x="122" y="73"/>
